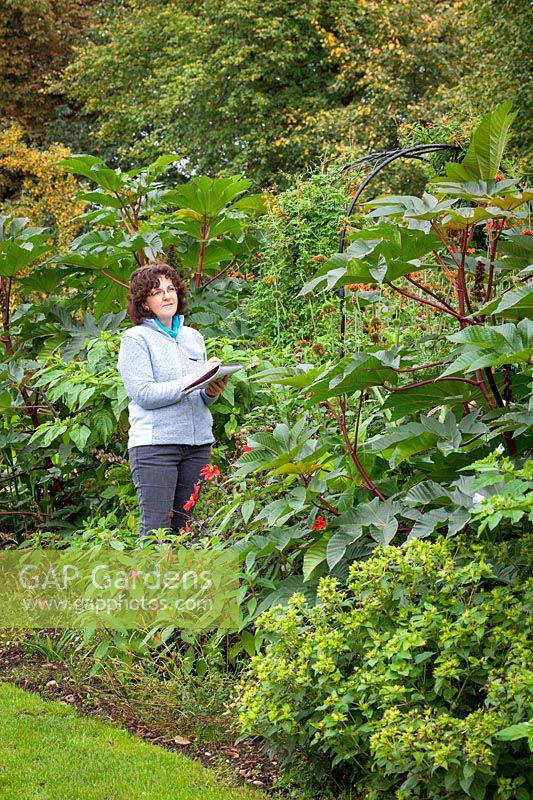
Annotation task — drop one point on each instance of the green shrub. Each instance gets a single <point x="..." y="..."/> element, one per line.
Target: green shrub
<point x="300" y="231"/>
<point x="404" y="684"/>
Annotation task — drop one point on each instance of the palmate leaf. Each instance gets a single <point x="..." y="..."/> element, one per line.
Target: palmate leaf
<point x="487" y="145"/>
<point x="416" y="211"/>
<point x="516" y="304"/>
<point x="484" y="193"/>
<point x="339" y="543"/>
<point x="208" y="196"/>
<point x="516" y="250"/>
<point x="284" y="591"/>
<point x="215" y="256"/>
<point x="299" y="376"/>
<point x="377" y="255"/>
<point x="161" y="165"/>
<point x="43" y="280"/>
<point x="486" y="346"/>
<point x="81" y="164"/>
<point x="20" y="244"/>
<point x="101" y="198"/>
<point x="454" y="519"/>
<point x="278" y="449"/>
<point x="315" y="556"/>
<point x="353" y="373"/>
<point x="411" y="399"/>
<point x="401" y="444"/>
<point x="15" y="256"/>
<point x="251" y="204"/>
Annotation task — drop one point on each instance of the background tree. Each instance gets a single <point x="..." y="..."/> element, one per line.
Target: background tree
<point x="37" y="38"/>
<point x="33" y="185"/>
<point x="230" y="86"/>
<point x="495" y="67"/>
<point x="392" y="57"/>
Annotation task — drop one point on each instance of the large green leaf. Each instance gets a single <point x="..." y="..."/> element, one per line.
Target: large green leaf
<point x="376" y="255"/>
<point x="486" y="148"/>
<point x="315" y="557"/>
<point x="516" y="250"/>
<point x="413" y="398"/>
<point x="353" y="373"/>
<point x="418" y="212"/>
<point x="208" y="196"/>
<point x="20" y="244"/>
<point x="516" y="304"/>
<point x="486" y="346"/>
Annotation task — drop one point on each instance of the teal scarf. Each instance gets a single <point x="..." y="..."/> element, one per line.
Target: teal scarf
<point x="175" y="326"/>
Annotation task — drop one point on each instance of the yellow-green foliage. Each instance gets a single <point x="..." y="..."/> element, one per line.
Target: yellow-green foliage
<point x="402" y="683"/>
<point x="45" y="192"/>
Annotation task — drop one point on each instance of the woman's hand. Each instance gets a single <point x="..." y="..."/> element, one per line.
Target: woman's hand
<point x="215" y="388"/>
<point x="213" y="362"/>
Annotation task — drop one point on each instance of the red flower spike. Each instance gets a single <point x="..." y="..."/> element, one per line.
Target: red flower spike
<point x="320" y="524"/>
<point x="209" y="472"/>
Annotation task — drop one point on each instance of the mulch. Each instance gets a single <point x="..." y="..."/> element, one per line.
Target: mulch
<point x="247" y="761"/>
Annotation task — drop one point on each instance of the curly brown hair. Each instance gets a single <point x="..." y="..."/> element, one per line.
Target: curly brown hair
<point x="143" y="281"/>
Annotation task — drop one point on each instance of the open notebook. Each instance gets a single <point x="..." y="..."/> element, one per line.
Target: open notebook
<point x="217" y="371"/>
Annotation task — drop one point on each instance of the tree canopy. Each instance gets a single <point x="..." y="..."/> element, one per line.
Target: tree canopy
<point x="37" y="38"/>
<point x="267" y="88"/>
<point x="221" y="84"/>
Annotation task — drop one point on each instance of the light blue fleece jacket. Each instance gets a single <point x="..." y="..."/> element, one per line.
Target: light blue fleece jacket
<point x="155" y="368"/>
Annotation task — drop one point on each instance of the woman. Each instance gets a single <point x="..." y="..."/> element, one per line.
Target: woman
<point x="170" y="433"/>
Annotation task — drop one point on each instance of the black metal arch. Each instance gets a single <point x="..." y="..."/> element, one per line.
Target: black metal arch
<point x="417" y="151"/>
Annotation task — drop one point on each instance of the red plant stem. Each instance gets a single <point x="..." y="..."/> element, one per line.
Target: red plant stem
<point x="220" y="274"/>
<point x="483" y="386"/>
<point x="356" y="435"/>
<point x="199" y="269"/>
<point x="115" y="280"/>
<point x="449" y="247"/>
<point x="445" y="268"/>
<point x="327" y="507"/>
<point x="467" y="238"/>
<point x="124" y="213"/>
<point x="444" y="309"/>
<point x="493" y="243"/>
<point x="423" y="366"/>
<point x="5" y="299"/>
<point x="494" y="388"/>
<point x="480" y="383"/>
<point x="429" y="292"/>
<point x="366" y="480"/>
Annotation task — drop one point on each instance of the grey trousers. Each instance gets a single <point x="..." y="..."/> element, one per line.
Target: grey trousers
<point x="164" y="476"/>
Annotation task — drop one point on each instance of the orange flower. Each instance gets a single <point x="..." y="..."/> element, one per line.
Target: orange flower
<point x="470" y="249"/>
<point x="191" y="502"/>
<point x="193" y="498"/>
<point x="209" y="472"/>
<point x="319" y="524"/>
<point x="527" y="232"/>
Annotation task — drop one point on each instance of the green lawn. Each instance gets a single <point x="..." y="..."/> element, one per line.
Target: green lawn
<point x="48" y="752"/>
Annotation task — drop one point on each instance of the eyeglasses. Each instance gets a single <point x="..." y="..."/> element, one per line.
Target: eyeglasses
<point x="160" y="292"/>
